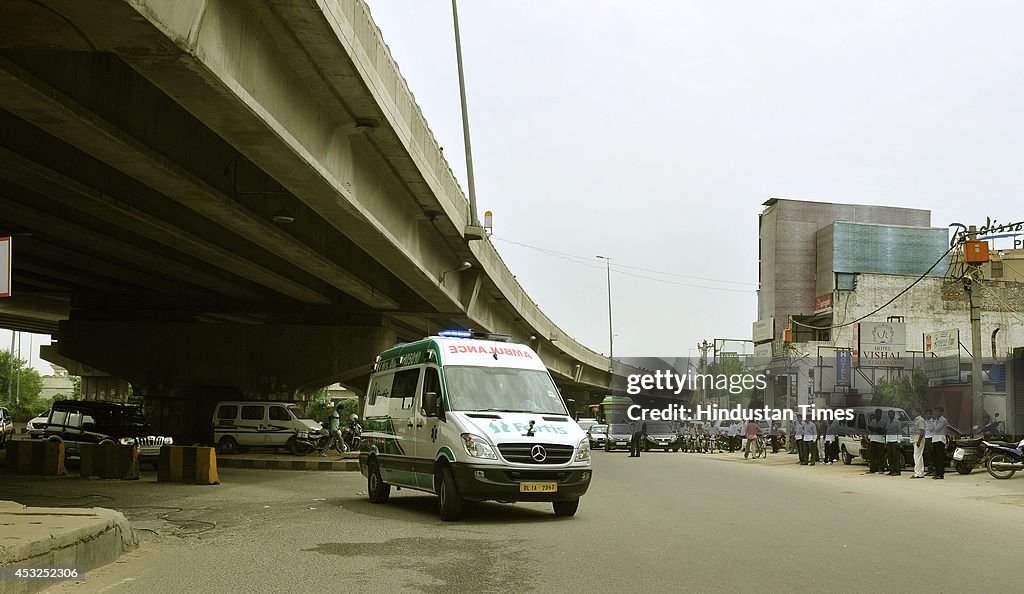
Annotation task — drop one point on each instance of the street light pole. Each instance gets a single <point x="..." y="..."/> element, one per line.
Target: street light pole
<point x="473" y="229"/>
<point x="611" y="339"/>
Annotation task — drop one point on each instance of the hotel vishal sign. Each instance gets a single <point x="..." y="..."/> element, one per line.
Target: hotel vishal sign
<point x="881" y="344"/>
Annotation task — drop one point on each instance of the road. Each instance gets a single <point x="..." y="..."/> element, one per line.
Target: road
<point x="671" y="521"/>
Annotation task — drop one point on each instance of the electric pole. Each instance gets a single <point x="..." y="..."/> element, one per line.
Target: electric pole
<point x="975" y="277"/>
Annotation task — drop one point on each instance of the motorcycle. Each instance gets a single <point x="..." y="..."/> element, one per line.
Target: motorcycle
<point x="1003" y="461"/>
<point x="351" y="435"/>
<point x="305" y="441"/>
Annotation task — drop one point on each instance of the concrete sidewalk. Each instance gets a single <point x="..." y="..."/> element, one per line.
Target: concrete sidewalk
<point x="283" y="461"/>
<point x="58" y="537"/>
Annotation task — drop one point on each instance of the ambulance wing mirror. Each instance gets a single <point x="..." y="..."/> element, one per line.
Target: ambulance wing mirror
<point x="433" y="405"/>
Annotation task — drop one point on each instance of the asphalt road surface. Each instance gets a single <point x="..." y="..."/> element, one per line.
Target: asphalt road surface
<point x="666" y="520"/>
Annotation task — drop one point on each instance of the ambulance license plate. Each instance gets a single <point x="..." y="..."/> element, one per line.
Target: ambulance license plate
<point x="538" y="487"/>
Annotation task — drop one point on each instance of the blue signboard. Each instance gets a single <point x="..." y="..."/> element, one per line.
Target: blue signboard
<point x="844" y="375"/>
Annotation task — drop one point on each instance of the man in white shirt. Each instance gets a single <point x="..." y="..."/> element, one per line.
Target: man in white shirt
<point x="939" y="443"/>
<point x="894" y="454"/>
<point x="798" y="436"/>
<point x="811" y="442"/>
<point x="929" y="423"/>
<point x="918" y="437"/>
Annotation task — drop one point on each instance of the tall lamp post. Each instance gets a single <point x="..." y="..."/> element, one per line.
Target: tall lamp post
<point x="611" y="337"/>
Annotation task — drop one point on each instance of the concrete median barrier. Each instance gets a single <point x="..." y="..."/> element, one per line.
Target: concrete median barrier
<point x="188" y="464"/>
<point x="36" y="457"/>
<point x="109" y="461"/>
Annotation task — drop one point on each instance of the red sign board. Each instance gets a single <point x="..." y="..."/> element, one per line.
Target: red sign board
<point x="823" y="303"/>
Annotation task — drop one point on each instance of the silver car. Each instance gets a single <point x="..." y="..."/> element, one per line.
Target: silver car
<point x="37" y="425"/>
<point x="6" y="427"/>
<point x="597" y="435"/>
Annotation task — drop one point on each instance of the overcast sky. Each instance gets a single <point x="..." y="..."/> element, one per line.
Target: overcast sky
<point x="653" y="131"/>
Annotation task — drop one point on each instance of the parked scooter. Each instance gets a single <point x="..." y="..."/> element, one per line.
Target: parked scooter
<point x="1003" y="461"/>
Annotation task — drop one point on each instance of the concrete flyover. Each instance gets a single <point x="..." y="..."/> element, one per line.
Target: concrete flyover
<point x="152" y="155"/>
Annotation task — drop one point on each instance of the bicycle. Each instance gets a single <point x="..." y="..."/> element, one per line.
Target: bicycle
<point x="760" y="447"/>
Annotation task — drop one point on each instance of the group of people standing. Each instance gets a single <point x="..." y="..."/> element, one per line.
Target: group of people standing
<point x="928" y="437"/>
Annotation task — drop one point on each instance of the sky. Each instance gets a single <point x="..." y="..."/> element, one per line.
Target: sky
<point x="652" y="132"/>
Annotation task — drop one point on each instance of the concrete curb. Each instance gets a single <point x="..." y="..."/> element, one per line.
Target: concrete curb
<point x="272" y="464"/>
<point x="57" y="537"/>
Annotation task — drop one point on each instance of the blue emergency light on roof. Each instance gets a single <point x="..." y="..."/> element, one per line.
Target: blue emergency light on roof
<point x="459" y="333"/>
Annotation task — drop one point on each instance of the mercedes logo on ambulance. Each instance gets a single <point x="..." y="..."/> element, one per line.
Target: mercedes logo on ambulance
<point x="538" y="453"/>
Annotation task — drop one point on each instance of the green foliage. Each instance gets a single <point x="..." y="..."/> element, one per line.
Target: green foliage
<point x="322" y="412"/>
<point x="24" y="385"/>
<point x="905" y="392"/>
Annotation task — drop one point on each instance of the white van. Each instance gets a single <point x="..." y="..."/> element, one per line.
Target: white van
<point x="249" y="423"/>
<point x="471" y="420"/>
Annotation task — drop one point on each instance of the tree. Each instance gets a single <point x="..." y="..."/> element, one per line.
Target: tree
<point x="904" y="392"/>
<point x="22" y="384"/>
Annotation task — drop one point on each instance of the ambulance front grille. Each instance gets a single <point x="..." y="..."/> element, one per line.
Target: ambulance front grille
<point x="524" y="453"/>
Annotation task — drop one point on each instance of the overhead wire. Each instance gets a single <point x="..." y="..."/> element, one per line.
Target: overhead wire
<point x="618" y="268"/>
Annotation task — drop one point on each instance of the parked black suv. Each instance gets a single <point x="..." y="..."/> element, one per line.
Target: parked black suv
<point x="89" y="421"/>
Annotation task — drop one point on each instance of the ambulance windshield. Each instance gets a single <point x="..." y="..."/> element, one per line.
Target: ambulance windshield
<point x="502" y="389"/>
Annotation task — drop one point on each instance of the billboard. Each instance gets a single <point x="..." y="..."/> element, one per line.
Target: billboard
<point x="844" y="371"/>
<point x="942" y="355"/>
<point x="763" y="330"/>
<point x="881" y="344"/>
<point x="5" y="266"/>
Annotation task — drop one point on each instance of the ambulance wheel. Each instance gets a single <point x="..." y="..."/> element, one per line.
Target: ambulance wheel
<point x="376" y="488"/>
<point x="566" y="508"/>
<point x="449" y="502"/>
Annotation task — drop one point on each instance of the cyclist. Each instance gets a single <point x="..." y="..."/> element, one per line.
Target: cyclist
<point x="751" y="434"/>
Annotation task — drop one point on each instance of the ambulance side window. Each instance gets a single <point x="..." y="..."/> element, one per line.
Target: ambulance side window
<point x="431" y="386"/>
<point x="378" y="396"/>
<point x="404" y="388"/>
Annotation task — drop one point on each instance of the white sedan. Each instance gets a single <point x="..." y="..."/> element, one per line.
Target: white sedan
<point x="36" y="426"/>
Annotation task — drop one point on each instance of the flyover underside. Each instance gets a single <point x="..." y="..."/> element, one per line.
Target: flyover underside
<point x="145" y="149"/>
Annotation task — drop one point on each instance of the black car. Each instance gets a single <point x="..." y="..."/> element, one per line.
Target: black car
<point x="619" y="435"/>
<point x="660" y="434"/>
<point x="75" y="422"/>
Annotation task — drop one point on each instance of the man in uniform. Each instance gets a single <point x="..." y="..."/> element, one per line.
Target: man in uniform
<point x="918" y="437"/>
<point x="636" y="443"/>
<point x="893" y="431"/>
<point x="798" y="437"/>
<point x="939" y="443"/>
<point x="810" y="442"/>
<point x="876" y="442"/>
<point x="929" y="424"/>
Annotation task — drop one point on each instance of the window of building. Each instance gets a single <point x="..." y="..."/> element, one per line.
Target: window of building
<point x="846" y="281"/>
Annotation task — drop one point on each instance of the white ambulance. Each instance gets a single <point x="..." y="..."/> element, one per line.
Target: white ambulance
<point x="471" y="420"/>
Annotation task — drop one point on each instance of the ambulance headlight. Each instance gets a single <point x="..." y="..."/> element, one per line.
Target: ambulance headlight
<point x="583" y="451"/>
<point x="477" y="447"/>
